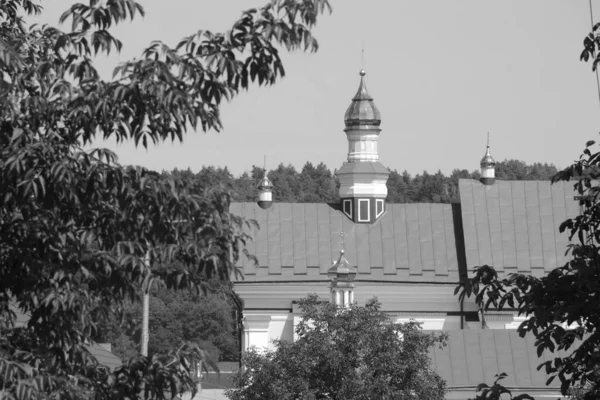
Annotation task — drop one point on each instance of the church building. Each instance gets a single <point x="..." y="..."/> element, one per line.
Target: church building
<point x="410" y="256"/>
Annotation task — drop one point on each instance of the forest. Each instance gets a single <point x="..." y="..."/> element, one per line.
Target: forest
<point x="317" y="184"/>
<point x="211" y="320"/>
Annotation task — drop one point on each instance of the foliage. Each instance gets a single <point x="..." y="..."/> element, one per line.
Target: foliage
<point x="516" y="170"/>
<point x="356" y="353"/>
<point x="562" y="307"/>
<point x="177" y="317"/>
<point x="75" y="226"/>
<point x="497" y="391"/>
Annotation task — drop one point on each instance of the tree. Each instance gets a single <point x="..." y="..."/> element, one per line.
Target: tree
<point x="210" y="176"/>
<point x="497" y="391"/>
<point x="245" y="188"/>
<point x="175" y="318"/>
<point x="285" y="183"/>
<point x="317" y="184"/>
<point x="396" y="188"/>
<point x="75" y="226"/>
<point x="516" y="170"/>
<point x="355" y="353"/>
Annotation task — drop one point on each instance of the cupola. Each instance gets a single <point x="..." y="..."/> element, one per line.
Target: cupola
<point x="342" y="277"/>
<point x="488" y="166"/>
<point x="363" y="189"/>
<point x="265" y="192"/>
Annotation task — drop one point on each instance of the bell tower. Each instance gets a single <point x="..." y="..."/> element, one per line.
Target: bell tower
<point x="363" y="178"/>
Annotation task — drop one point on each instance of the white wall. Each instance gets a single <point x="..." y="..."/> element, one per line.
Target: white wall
<point x="261" y="328"/>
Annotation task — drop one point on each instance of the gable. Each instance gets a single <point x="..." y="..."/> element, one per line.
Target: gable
<point x="298" y="242"/>
<point x="513" y="225"/>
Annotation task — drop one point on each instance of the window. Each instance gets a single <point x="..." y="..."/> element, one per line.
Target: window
<point x="347" y="207"/>
<point x="363" y="210"/>
<point x="379" y="208"/>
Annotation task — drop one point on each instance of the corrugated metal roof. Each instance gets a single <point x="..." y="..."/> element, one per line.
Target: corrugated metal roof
<point x="475" y="356"/>
<point x="513" y="225"/>
<point x="298" y="242"/>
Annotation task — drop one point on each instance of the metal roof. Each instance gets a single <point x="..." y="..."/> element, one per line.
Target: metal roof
<point x="475" y="356"/>
<point x="513" y="225"/>
<point x="104" y="357"/>
<point x="363" y="168"/>
<point x="299" y="241"/>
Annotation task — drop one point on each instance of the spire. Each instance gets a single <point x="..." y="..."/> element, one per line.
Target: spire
<point x="362" y="110"/>
<point x="488" y="166"/>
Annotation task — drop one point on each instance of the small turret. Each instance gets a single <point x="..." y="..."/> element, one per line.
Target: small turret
<point x="265" y="190"/>
<point x="488" y="166"/>
<point x="342" y="277"/>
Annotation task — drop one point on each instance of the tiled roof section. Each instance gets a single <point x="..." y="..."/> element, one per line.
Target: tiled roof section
<point x="513" y="225"/>
<point x="298" y="242"/>
<point x="472" y="357"/>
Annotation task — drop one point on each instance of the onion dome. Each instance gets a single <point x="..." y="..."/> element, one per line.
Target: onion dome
<point x="265" y="192"/>
<point x="487" y="161"/>
<point x="362" y="110"/>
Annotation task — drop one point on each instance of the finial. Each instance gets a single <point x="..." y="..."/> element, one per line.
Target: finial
<point x="342" y="241"/>
<point x="488" y="140"/>
<point x="362" y="60"/>
<point x="265" y="165"/>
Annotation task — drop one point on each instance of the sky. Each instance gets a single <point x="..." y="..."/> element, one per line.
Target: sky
<point x="443" y="73"/>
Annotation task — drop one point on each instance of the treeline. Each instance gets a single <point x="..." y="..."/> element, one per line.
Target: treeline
<point x="317" y="184"/>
